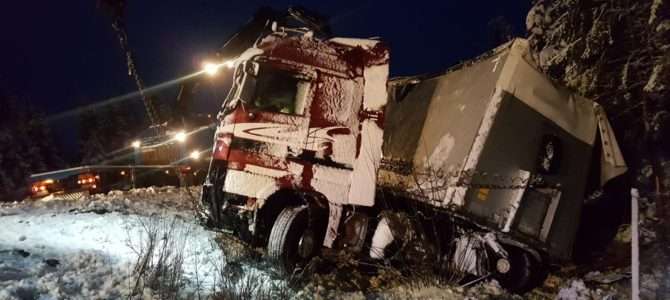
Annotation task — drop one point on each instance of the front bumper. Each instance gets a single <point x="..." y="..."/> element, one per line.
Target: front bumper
<point x="228" y="212"/>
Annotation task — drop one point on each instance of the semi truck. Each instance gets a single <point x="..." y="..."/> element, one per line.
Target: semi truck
<point x="316" y="147"/>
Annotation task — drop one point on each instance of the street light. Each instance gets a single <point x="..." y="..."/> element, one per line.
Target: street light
<point x="180" y="136"/>
<point x="136" y="144"/>
<point x="210" y="68"/>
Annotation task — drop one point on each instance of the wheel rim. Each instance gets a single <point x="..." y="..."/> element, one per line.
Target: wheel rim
<point x="503" y="266"/>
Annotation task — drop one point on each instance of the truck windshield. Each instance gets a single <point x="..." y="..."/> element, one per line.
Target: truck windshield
<point x="279" y="91"/>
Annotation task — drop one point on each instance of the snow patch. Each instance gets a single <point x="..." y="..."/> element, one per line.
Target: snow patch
<point x="330" y="174"/>
<point x="354" y="42"/>
<point x="364" y="177"/>
<point x="250" y="185"/>
<point x="381" y="239"/>
<point x="375" y="94"/>
<point x="93" y="251"/>
<point x="79" y="275"/>
<point x="442" y="151"/>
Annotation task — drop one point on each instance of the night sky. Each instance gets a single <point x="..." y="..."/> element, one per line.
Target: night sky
<point x="63" y="54"/>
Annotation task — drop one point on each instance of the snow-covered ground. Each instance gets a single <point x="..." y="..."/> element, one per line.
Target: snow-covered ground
<point x="85" y="248"/>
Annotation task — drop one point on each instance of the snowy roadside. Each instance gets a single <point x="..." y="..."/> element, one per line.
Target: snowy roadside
<point x="141" y="201"/>
<point x="83" y="248"/>
<point x="57" y="248"/>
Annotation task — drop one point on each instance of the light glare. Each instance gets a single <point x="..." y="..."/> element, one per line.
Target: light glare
<point x="180" y="136"/>
<point x="229" y="64"/>
<point x="211" y="68"/>
<point x="195" y="155"/>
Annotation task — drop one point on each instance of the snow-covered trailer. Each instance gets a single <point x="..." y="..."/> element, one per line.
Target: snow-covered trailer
<point x="496" y="141"/>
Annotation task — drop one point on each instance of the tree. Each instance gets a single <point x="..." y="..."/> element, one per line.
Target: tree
<point x="106" y="131"/>
<point x="26" y="146"/>
<point x="617" y="53"/>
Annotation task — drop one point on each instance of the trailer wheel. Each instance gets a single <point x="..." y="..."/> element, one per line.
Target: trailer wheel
<point x="516" y="272"/>
<point x="292" y="239"/>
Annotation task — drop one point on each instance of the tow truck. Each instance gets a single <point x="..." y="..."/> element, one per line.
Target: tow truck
<point x="316" y="147"/>
<point x="171" y="151"/>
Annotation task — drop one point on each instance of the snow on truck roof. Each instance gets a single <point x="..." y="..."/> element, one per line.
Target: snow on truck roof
<point x="354" y="42"/>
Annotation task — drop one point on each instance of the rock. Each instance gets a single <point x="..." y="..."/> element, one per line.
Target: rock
<point x="576" y="290"/>
<point x="605" y="278"/>
<point x="650" y="212"/>
<point x="21" y="252"/>
<point x="624" y="234"/>
<point x="233" y="270"/>
<point x="100" y="210"/>
<point x="552" y="282"/>
<point x="52" y="262"/>
<point x="22" y="238"/>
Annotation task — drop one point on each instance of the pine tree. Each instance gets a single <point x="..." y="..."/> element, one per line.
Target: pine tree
<point x="617" y="53"/>
<point x="105" y="131"/>
<point x="26" y="146"/>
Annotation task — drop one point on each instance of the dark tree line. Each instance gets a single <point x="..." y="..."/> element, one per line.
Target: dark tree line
<point x="27" y="143"/>
<point x="26" y="146"/>
<point x="107" y="131"/>
<point x="617" y="53"/>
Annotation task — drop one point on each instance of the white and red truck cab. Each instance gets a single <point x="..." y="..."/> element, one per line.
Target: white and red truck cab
<point x="301" y="123"/>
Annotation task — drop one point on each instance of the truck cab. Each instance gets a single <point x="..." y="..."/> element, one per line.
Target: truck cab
<point x="298" y="137"/>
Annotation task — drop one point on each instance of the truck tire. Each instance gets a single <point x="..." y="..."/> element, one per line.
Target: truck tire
<point x="519" y="278"/>
<point x="292" y="240"/>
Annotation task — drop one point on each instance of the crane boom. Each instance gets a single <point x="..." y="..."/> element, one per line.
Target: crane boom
<point x="116" y="8"/>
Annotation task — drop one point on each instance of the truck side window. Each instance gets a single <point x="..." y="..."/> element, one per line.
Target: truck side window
<point x="549" y="156"/>
<point x="279" y="91"/>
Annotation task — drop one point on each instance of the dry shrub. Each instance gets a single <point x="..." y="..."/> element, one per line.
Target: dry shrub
<point x="245" y="274"/>
<point x="251" y="285"/>
<point x="160" y="257"/>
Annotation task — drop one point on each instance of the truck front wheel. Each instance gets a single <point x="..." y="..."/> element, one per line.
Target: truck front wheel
<point x="293" y="239"/>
